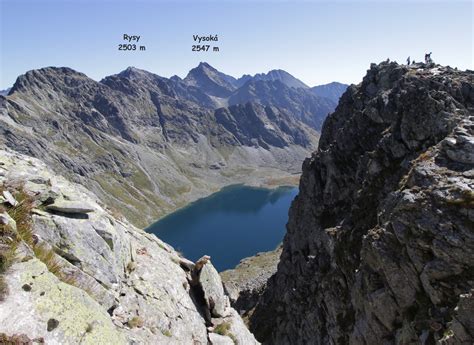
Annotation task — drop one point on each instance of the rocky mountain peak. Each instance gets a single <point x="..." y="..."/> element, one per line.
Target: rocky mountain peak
<point x="5" y="92"/>
<point x="48" y="76"/>
<point x="332" y="91"/>
<point x="275" y="75"/>
<point x="211" y="80"/>
<point x="379" y="247"/>
<point x="133" y="72"/>
<point x="300" y="102"/>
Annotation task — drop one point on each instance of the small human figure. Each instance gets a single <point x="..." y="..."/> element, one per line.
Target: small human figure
<point x="428" y="58"/>
<point x="408" y="61"/>
<point x="413" y="62"/>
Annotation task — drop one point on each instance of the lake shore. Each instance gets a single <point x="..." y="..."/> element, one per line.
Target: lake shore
<point x="237" y="222"/>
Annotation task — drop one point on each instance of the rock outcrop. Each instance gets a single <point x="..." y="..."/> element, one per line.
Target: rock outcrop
<point x="246" y="283"/>
<point x="380" y="242"/>
<point x="78" y="273"/>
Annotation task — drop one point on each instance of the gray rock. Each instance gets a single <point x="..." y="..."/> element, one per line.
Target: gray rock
<point x="463" y="150"/>
<point x="5" y="219"/>
<point x="187" y="264"/>
<point x="106" y="277"/>
<point x="213" y="290"/>
<point x="217" y="339"/>
<point x="245" y="284"/>
<point x="9" y="198"/>
<point x="67" y="206"/>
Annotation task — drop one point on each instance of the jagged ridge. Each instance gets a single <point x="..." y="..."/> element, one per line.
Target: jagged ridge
<point x="379" y="248"/>
<point x="147" y="144"/>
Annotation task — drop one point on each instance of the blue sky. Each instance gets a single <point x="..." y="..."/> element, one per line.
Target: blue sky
<point x="316" y="41"/>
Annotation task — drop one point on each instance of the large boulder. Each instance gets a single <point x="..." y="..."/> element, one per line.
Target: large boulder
<point x="70" y="206"/>
<point x="213" y="289"/>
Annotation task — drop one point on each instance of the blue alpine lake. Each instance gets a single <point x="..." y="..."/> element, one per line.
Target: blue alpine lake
<point x="234" y="223"/>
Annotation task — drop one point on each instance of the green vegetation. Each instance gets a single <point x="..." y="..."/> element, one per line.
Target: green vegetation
<point x="135" y="322"/>
<point x="140" y="180"/>
<point x="224" y="329"/>
<point x="167" y="333"/>
<point x="10" y="239"/>
<point x="48" y="257"/>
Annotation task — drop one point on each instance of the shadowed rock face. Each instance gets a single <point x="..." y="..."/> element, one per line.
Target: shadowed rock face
<point x="301" y="102"/>
<point x="380" y="246"/>
<point x="276" y="74"/>
<point x="333" y="91"/>
<point x="147" y="144"/>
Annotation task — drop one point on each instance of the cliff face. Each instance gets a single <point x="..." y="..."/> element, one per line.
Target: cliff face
<point x="300" y="102"/>
<point x="73" y="272"/>
<point x="380" y="241"/>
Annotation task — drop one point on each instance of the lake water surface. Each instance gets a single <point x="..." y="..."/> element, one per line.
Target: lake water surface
<point x="232" y="224"/>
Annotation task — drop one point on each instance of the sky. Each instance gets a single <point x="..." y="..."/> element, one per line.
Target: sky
<point x="316" y="41"/>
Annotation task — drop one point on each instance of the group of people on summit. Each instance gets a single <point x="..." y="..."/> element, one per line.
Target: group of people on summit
<point x="428" y="59"/>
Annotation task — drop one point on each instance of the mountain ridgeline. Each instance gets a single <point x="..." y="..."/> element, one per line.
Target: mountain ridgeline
<point x="148" y="145"/>
<point x="379" y="246"/>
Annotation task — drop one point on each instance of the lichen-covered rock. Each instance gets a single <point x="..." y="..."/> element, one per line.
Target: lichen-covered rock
<point x="380" y="245"/>
<point x="93" y="278"/>
<point x="41" y="306"/>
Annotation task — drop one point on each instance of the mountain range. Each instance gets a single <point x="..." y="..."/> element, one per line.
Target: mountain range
<point x="379" y="246"/>
<point x="5" y="92"/>
<point x="148" y="144"/>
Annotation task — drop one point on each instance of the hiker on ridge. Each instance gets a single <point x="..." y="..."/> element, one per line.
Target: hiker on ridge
<point x="428" y="58"/>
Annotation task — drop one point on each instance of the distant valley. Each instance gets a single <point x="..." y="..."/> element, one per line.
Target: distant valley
<point x="148" y="145"/>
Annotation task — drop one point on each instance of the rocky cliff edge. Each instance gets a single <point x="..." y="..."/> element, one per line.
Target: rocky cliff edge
<point x="380" y="240"/>
<point x="73" y="272"/>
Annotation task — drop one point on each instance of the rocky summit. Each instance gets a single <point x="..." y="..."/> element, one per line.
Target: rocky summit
<point x="72" y="271"/>
<point x="147" y="145"/>
<point x="380" y="242"/>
